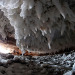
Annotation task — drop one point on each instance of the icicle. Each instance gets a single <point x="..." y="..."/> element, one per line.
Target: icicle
<point x="27" y="46"/>
<point x="25" y="37"/>
<point x="31" y="4"/>
<point x="27" y="4"/>
<point x="39" y="9"/>
<point x="17" y="43"/>
<point x="50" y="30"/>
<point x="49" y="40"/>
<point x="68" y="11"/>
<point x="57" y="4"/>
<point x="35" y="29"/>
<point x="22" y="49"/>
<point x="24" y="8"/>
<point x="63" y="28"/>
<point x="29" y="34"/>
<point x="49" y="46"/>
<point x="44" y="32"/>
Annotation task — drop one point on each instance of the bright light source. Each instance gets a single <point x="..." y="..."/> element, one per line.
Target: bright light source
<point x="4" y="48"/>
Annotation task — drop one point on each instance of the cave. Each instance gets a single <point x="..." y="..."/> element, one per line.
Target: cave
<point x="37" y="37"/>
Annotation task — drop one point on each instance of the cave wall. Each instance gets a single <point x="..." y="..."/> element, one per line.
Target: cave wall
<point x="40" y="25"/>
<point x="6" y="30"/>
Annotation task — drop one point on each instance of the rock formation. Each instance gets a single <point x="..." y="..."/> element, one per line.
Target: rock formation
<point x="39" y="25"/>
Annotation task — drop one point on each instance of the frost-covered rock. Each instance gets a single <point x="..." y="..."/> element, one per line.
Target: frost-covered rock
<point x="73" y="69"/>
<point x="72" y="72"/>
<point x="68" y="73"/>
<point x="6" y="30"/>
<point x="51" y="64"/>
<point x="44" y="25"/>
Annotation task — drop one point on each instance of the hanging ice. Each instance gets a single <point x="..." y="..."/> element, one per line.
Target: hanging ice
<point x="39" y="25"/>
<point x="49" y="45"/>
<point x="38" y="9"/>
<point x="58" y="5"/>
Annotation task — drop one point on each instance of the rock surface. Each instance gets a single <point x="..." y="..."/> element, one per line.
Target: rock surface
<point x="59" y="64"/>
<point x="39" y="25"/>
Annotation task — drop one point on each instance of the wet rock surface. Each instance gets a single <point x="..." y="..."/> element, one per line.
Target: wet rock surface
<point x="57" y="64"/>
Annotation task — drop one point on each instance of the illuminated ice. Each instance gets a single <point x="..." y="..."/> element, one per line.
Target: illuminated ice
<point x="39" y="24"/>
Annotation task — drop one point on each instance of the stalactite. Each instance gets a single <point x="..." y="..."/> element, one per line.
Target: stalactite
<point x="59" y="7"/>
<point x="39" y="24"/>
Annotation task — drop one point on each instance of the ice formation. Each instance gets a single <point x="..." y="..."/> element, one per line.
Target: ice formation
<point x="44" y="25"/>
<point x="5" y="28"/>
<point x="73" y="69"/>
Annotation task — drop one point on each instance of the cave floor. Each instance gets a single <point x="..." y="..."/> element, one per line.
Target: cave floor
<point x="57" y="64"/>
<point x="13" y="63"/>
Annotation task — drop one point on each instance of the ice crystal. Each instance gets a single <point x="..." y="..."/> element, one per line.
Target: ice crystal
<point x="39" y="24"/>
